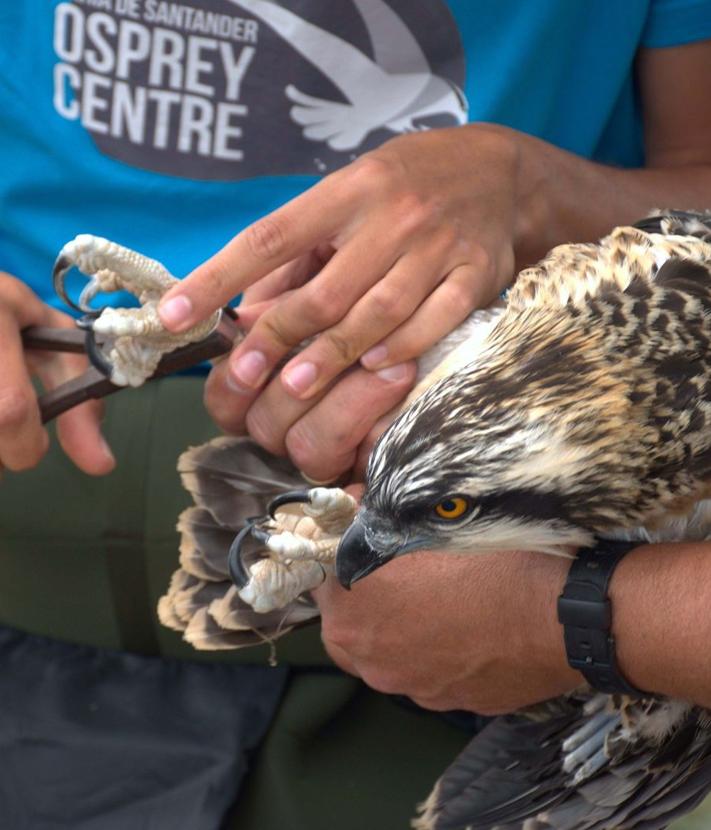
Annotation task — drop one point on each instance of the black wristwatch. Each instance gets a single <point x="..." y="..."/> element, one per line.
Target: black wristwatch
<point x="585" y="612"/>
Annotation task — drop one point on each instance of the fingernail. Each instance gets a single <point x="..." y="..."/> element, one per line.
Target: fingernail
<point x="299" y="378"/>
<point x="394" y="373"/>
<point x="373" y="357"/>
<point x="176" y="311"/>
<point x="237" y="388"/>
<point x="106" y="449"/>
<point x="319" y="482"/>
<point x="249" y="369"/>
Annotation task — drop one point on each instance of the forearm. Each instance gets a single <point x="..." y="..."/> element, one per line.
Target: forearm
<point x="565" y="198"/>
<point x="661" y="619"/>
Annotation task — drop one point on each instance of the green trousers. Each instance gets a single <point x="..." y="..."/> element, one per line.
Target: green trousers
<point x="85" y="560"/>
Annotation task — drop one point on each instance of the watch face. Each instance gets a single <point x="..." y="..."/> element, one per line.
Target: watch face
<point x="230" y="89"/>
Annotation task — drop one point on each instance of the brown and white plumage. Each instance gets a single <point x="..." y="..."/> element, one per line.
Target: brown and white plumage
<point x="594" y="399"/>
<point x="285" y="552"/>
<point x="581" y="411"/>
<point x="585" y="413"/>
<point x="231" y="480"/>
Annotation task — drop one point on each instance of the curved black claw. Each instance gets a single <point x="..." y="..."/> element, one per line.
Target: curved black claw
<point x="93" y="350"/>
<point x="86" y="321"/>
<point x="290" y="497"/>
<point x="235" y="564"/>
<point x="62" y="265"/>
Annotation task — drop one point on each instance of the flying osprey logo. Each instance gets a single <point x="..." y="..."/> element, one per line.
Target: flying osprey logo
<point x="395" y="90"/>
<point x="231" y="89"/>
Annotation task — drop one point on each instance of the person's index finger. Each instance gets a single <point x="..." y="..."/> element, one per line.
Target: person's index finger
<point x="294" y="229"/>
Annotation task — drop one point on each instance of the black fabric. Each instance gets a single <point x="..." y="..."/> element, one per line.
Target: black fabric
<point x="92" y="739"/>
<point x="337" y="755"/>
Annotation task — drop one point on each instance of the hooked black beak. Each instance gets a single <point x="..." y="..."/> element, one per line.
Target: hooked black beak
<point x="355" y="558"/>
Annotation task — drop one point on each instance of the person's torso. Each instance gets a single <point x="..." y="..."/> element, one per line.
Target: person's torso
<point x="170" y="126"/>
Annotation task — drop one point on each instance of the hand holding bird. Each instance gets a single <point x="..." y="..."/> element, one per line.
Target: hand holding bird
<point x="472" y="633"/>
<point x="321" y="272"/>
<point x="582" y="415"/>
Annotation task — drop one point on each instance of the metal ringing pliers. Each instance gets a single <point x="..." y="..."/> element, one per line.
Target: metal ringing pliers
<point x="95" y="382"/>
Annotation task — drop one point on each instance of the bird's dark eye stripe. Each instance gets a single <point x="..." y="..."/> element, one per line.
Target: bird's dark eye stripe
<point x="522" y="503"/>
<point x="531" y="504"/>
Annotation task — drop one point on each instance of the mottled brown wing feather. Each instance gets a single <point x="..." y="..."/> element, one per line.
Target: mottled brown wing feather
<point x="511" y="774"/>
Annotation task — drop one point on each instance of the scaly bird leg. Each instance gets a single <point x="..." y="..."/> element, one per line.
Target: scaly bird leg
<point x="301" y="536"/>
<point x="134" y="340"/>
<point x="274" y="585"/>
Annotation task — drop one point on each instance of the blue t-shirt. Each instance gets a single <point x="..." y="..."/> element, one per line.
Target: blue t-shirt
<point x="169" y="126"/>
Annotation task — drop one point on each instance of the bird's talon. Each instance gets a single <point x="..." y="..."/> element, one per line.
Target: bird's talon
<point x="290" y="497"/>
<point x="260" y="535"/>
<point x="95" y="355"/>
<point x="239" y="573"/>
<point x="62" y="266"/>
<point x="86" y="321"/>
<point x="90" y="290"/>
<point x="134" y="339"/>
<point x="330" y="502"/>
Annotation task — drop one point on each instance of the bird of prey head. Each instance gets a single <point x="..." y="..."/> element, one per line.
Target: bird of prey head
<point x="569" y="424"/>
<point x="472" y="466"/>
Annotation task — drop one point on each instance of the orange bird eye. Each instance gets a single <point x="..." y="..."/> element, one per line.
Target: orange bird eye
<point x="452" y="508"/>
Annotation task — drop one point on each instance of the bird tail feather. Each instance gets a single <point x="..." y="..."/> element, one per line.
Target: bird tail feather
<point x="231" y="480"/>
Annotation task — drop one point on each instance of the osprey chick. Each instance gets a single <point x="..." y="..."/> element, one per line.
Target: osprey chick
<point x="579" y="411"/>
<point x="585" y="413"/>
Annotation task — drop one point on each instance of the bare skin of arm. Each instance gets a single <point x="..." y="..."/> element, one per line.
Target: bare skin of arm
<point x="660" y="594"/>
<point x="385" y="256"/>
<point x="494" y="645"/>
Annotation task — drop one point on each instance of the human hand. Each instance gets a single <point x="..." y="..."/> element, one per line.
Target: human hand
<point x="380" y="260"/>
<point x="23" y="439"/>
<point x="474" y="632"/>
<point x="325" y="436"/>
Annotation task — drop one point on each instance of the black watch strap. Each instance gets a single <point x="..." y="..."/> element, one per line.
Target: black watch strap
<point x="585" y="612"/>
